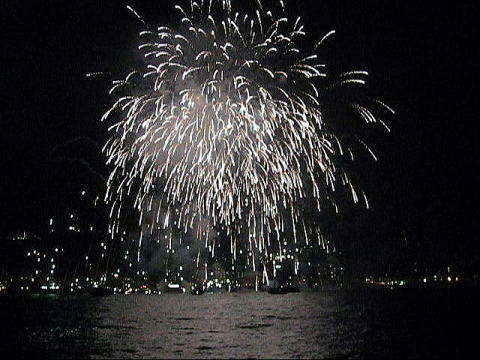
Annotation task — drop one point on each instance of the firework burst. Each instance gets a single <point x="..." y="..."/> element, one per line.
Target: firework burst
<point x="224" y="128"/>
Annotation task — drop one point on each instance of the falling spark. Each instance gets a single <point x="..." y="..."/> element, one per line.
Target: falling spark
<point x="224" y="128"/>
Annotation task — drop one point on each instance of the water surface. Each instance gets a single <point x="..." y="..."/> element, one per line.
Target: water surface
<point x="341" y="324"/>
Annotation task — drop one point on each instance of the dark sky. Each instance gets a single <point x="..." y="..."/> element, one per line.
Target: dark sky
<point x="420" y="57"/>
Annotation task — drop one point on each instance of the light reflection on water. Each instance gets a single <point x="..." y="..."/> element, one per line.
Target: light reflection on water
<point x="235" y="325"/>
<point x="244" y="325"/>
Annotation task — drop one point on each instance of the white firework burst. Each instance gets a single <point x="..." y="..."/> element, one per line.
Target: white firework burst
<point x="223" y="128"/>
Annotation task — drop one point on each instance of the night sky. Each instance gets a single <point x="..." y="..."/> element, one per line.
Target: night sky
<point x="421" y="62"/>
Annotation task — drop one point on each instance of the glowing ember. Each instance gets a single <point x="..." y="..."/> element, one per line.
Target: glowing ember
<point x="223" y="129"/>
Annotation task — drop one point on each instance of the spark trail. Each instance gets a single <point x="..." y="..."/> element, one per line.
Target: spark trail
<point x="223" y="128"/>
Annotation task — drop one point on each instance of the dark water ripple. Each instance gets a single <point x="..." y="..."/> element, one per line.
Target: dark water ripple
<point x="407" y="324"/>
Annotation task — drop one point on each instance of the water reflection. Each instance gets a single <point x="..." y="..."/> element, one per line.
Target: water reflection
<point x="251" y="325"/>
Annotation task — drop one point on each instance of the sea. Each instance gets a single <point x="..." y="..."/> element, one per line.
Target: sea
<point x="341" y="324"/>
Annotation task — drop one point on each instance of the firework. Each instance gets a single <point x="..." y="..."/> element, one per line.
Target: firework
<point x="224" y="129"/>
